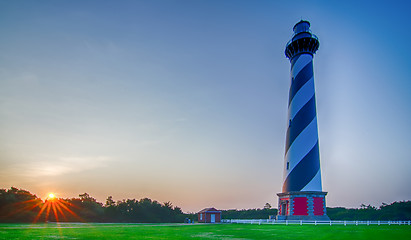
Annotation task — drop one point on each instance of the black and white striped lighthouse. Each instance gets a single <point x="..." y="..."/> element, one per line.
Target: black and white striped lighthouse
<point x="302" y="197"/>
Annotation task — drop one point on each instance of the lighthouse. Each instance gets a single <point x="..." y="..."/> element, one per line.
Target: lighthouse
<point x="302" y="197"/>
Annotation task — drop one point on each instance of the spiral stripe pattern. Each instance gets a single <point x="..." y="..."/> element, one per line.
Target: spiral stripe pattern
<point x="302" y="158"/>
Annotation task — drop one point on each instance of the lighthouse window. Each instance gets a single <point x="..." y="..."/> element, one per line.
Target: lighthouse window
<point x="288" y="165"/>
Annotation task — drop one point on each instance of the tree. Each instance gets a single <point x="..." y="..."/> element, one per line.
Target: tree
<point x="110" y="202"/>
<point x="18" y="205"/>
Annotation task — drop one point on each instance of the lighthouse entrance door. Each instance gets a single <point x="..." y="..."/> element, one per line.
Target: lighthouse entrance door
<point x="284" y="208"/>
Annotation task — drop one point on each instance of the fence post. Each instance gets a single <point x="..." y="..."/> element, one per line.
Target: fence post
<point x="330" y="223"/>
<point x="301" y="222"/>
<point x="315" y="222"/>
<point x="356" y="223"/>
<point x="345" y="223"/>
<point x="368" y="223"/>
<point x="286" y="222"/>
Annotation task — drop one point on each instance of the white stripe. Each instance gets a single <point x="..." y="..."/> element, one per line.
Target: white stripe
<point x="301" y="98"/>
<point x="314" y="184"/>
<point x="302" y="61"/>
<point x="302" y="145"/>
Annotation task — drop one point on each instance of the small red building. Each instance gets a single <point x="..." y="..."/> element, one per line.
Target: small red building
<point x="209" y="215"/>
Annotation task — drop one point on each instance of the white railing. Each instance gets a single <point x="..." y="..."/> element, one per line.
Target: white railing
<point x="304" y="222"/>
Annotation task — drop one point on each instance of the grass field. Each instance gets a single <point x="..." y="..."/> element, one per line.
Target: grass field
<point x="203" y="231"/>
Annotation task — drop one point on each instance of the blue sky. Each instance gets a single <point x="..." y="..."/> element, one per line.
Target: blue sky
<point x="186" y="101"/>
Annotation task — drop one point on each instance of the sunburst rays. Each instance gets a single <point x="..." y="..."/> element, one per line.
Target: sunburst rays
<point x="57" y="207"/>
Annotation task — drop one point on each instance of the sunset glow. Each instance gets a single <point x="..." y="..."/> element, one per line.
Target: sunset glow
<point x="51" y="196"/>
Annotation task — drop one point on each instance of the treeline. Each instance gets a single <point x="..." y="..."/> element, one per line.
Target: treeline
<point x="17" y="205"/>
<point x="396" y="211"/>
<point x="258" y="213"/>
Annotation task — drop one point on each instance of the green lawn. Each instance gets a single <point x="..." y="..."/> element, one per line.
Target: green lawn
<point x="206" y="231"/>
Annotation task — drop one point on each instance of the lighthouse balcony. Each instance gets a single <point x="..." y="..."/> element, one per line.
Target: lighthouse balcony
<point x="308" y="44"/>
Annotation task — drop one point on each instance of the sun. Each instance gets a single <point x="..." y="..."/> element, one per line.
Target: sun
<point x="51" y="196"/>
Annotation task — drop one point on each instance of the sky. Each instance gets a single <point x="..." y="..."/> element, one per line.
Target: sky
<point x="186" y="101"/>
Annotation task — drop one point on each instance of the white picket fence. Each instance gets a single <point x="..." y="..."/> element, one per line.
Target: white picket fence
<point x="304" y="222"/>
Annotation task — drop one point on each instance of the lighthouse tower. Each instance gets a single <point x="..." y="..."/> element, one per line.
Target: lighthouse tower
<point x="302" y="197"/>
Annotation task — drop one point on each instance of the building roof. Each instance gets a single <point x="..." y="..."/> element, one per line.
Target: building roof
<point x="209" y="210"/>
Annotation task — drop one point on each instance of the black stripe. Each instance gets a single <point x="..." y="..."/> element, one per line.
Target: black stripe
<point x="304" y="172"/>
<point x="301" y="120"/>
<point x="302" y="77"/>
